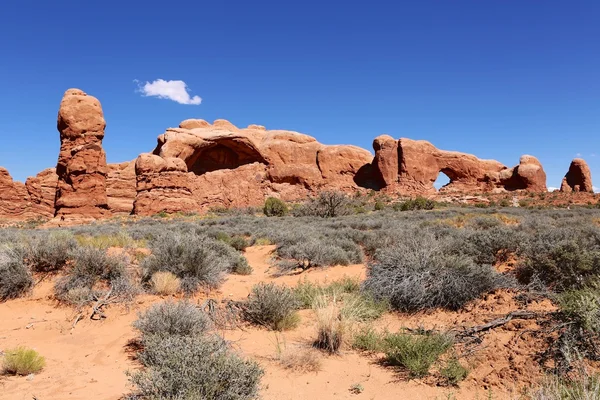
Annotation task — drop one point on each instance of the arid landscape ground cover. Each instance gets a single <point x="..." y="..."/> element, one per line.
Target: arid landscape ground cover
<point x="338" y="297"/>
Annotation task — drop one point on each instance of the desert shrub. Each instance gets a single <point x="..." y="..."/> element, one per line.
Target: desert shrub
<point x="49" y="252"/>
<point x="582" y="387"/>
<point x="453" y="371"/>
<point x="416" y="353"/>
<point x="194" y="367"/>
<point x="165" y="283"/>
<point x="561" y="258"/>
<point x="22" y="361"/>
<point x="239" y="243"/>
<point x="195" y="259"/>
<point x="275" y="207"/>
<point x="488" y="246"/>
<point x="328" y="204"/>
<point x="417" y="274"/>
<point x="419" y="203"/>
<point x="15" y="278"/>
<point x="272" y="306"/>
<point x="305" y="252"/>
<point x="172" y="318"/>
<point x="90" y="267"/>
<point x="578" y="330"/>
<point x="582" y="307"/>
<point x="368" y="339"/>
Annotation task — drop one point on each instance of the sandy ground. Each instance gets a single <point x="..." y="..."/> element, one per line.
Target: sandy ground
<point x="89" y="361"/>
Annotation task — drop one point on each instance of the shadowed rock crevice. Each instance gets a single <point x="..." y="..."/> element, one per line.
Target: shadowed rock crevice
<point x="223" y="154"/>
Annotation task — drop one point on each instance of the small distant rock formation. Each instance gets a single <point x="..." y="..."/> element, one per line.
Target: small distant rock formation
<point x="578" y="178"/>
<point x="81" y="168"/>
<point x="412" y="166"/>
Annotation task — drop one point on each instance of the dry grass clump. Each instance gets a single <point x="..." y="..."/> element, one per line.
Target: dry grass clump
<point x="332" y="323"/>
<point x="22" y="361"/>
<point x="297" y="358"/>
<point x="580" y="387"/>
<point x="104" y="241"/>
<point x="165" y="283"/>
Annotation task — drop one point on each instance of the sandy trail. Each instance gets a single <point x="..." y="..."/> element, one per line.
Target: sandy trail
<point x="90" y="360"/>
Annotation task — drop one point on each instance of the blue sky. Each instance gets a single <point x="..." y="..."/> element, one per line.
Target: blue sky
<point x="495" y="78"/>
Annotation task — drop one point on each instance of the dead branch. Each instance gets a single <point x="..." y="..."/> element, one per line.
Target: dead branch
<point x="519" y="314"/>
<point x="97" y="309"/>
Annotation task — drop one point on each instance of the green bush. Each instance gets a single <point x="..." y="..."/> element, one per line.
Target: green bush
<point x="22" y="361"/>
<point x="194" y="367"/>
<point x="275" y="207"/>
<point x="367" y="339"/>
<point x="272" y="306"/>
<point x="582" y="307"/>
<point x="168" y="319"/>
<point x="239" y="243"/>
<point x="417" y="353"/>
<point x="15" y="278"/>
<point x="419" y="203"/>
<point x="454" y="372"/>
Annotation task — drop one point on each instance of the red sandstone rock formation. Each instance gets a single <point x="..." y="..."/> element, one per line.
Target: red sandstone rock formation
<point x="81" y="167"/>
<point x="240" y="167"/>
<point x="32" y="200"/>
<point x="42" y="192"/>
<point x="412" y="166"/>
<point x="162" y="185"/>
<point x="578" y="178"/>
<point x="121" y="187"/>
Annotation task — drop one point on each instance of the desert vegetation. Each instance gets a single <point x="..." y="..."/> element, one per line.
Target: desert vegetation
<point x="420" y="259"/>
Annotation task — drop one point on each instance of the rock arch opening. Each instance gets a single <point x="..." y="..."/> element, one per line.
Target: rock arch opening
<point x="224" y="154"/>
<point x="442" y="180"/>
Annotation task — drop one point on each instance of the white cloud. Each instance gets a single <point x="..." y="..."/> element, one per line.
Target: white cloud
<point x="578" y="155"/>
<point x="552" y="189"/>
<point x="596" y="189"/>
<point x="172" y="90"/>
